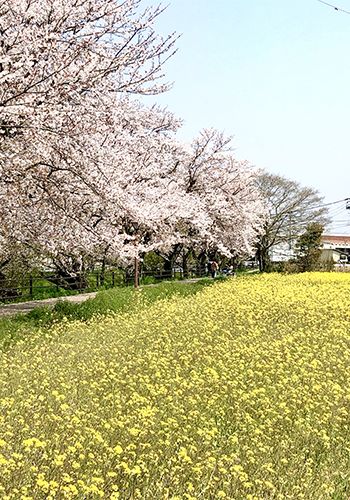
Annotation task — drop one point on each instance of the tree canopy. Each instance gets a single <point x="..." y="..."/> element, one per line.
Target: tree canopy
<point x="291" y="208"/>
<point x="85" y="168"/>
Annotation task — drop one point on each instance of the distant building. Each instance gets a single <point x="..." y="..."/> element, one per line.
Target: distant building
<point x="336" y="249"/>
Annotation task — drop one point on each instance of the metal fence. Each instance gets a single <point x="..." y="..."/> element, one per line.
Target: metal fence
<point x="45" y="285"/>
<point x="155" y="276"/>
<point x="48" y="285"/>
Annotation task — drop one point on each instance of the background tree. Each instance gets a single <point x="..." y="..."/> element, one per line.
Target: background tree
<point x="290" y="209"/>
<point x="309" y="247"/>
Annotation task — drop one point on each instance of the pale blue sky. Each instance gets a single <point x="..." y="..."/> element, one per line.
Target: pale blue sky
<point x="275" y="74"/>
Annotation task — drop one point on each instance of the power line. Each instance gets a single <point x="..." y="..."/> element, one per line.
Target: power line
<point x="336" y="216"/>
<point x="343" y="224"/>
<point x="334" y="7"/>
<point x="338" y="201"/>
<point x="336" y="210"/>
<point x="333" y="202"/>
<point x="337" y="227"/>
<point x="312" y="208"/>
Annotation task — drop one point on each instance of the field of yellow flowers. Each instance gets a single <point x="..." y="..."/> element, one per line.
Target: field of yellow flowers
<point x="240" y="392"/>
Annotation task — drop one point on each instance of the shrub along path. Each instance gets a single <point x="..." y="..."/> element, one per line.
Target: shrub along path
<point x="25" y="307"/>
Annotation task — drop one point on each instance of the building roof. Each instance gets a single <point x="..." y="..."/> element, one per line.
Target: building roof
<point x="336" y="240"/>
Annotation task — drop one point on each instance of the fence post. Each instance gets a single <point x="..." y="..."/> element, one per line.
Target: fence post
<point x="31" y="286"/>
<point x="113" y="279"/>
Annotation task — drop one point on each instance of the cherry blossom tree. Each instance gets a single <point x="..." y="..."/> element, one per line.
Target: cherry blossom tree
<point x="85" y="169"/>
<point x="229" y="209"/>
<point x="63" y="66"/>
<point x="62" y="62"/>
<point x="126" y="201"/>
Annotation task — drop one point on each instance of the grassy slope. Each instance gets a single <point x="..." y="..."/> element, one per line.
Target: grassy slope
<point x="107" y="301"/>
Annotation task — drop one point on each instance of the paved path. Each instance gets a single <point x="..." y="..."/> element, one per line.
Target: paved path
<point x="25" y="307"/>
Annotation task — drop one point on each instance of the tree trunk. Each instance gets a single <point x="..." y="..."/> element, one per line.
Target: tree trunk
<point x="7" y="290"/>
<point x="234" y="263"/>
<point x="168" y="266"/>
<point x="263" y="260"/>
<point x="69" y="274"/>
<point x="103" y="271"/>
<point x="185" y="257"/>
<point x="202" y="261"/>
<point x="136" y="272"/>
<point x="170" y="259"/>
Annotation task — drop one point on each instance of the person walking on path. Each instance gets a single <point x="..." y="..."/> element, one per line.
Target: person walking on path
<point x="214" y="266"/>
